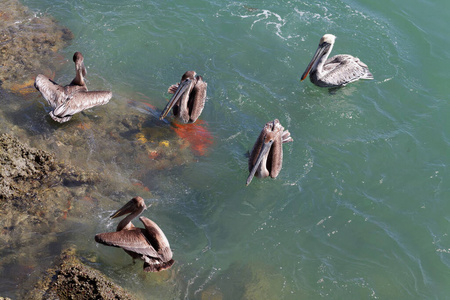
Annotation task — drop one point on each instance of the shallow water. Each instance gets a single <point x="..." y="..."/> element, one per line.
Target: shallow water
<point x="360" y="209"/>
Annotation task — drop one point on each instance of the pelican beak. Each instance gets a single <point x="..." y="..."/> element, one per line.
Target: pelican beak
<point x="126" y="209"/>
<point x="181" y="92"/>
<point x="265" y="149"/>
<point x="321" y="50"/>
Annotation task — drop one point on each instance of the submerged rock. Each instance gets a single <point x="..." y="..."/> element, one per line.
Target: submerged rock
<point x="250" y="280"/>
<point x="36" y="192"/>
<point x="28" y="44"/>
<point x="25" y="171"/>
<point x="71" y="279"/>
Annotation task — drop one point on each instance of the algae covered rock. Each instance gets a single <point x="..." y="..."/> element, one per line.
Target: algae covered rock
<point x="29" y="43"/>
<point x="71" y="279"/>
<point x="250" y="280"/>
<point x="36" y="193"/>
<point x="25" y="170"/>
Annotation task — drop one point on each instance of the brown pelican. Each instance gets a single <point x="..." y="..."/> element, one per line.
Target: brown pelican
<point x="188" y="98"/>
<point x="73" y="98"/>
<point x="337" y="71"/>
<point x="149" y="243"/>
<point x="266" y="157"/>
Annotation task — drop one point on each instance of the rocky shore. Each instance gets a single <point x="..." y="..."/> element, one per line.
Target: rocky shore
<point x="71" y="279"/>
<point x="36" y="190"/>
<point x="28" y="43"/>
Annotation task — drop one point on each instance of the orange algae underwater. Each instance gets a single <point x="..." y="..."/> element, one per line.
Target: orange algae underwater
<point x="196" y="134"/>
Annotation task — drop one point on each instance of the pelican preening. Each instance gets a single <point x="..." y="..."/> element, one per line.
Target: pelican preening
<point x="337" y="71"/>
<point x="149" y="243"/>
<point x="73" y="98"/>
<point x="266" y="157"/>
<point x="188" y="98"/>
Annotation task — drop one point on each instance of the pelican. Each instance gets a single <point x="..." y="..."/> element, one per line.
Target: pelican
<point x="266" y="157"/>
<point x="337" y="71"/>
<point x="188" y="98"/>
<point x="149" y="243"/>
<point x="72" y="98"/>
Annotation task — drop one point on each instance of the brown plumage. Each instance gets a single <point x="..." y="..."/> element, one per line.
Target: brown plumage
<point x="149" y="243"/>
<point x="266" y="157"/>
<point x="72" y="98"/>
<point x="337" y="71"/>
<point x="188" y="98"/>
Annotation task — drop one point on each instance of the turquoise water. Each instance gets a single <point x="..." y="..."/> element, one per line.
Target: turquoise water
<point x="361" y="208"/>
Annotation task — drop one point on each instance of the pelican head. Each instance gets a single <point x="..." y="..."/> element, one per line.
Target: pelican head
<point x="78" y="59"/>
<point x="80" y="70"/>
<point x="266" y="157"/>
<point x="328" y="38"/>
<point x="325" y="46"/>
<point x="136" y="204"/>
<point x="267" y="144"/>
<point x="188" y="81"/>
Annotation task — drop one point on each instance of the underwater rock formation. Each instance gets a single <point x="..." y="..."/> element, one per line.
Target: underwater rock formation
<point x="35" y="191"/>
<point x="28" y="43"/>
<point x="25" y="170"/>
<point x="71" y="279"/>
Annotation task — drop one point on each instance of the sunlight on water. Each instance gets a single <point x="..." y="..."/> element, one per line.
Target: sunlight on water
<point x="359" y="210"/>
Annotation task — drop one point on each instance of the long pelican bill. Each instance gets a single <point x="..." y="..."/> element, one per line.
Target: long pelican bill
<point x="186" y="84"/>
<point x="265" y="149"/>
<point x="319" y="53"/>
<point x="129" y="207"/>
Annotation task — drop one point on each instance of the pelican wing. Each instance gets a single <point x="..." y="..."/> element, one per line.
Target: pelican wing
<point x="131" y="240"/>
<point x="286" y="137"/>
<point x="343" y="69"/>
<point x="157" y="238"/>
<point x="185" y="100"/>
<point x="80" y="101"/>
<point x="197" y="102"/>
<point x="50" y="90"/>
<point x="173" y="88"/>
<point x="275" y="159"/>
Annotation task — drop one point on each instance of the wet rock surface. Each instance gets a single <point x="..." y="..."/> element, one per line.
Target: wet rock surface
<point x="71" y="279"/>
<point x="36" y="191"/>
<point x="29" y="43"/>
<point x="25" y="171"/>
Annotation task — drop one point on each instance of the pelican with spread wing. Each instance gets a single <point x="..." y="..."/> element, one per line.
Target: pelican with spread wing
<point x="148" y="243"/>
<point x="72" y="98"/>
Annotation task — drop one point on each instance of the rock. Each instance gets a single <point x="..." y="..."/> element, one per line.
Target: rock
<point x="25" y="170"/>
<point x="36" y="192"/>
<point x="29" y="44"/>
<point x="249" y="280"/>
<point x="71" y="279"/>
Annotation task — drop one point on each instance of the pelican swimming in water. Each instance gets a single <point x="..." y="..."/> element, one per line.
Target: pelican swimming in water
<point x="266" y="157"/>
<point x="149" y="243"/>
<point x="188" y="98"/>
<point x="73" y="98"/>
<point x="337" y="71"/>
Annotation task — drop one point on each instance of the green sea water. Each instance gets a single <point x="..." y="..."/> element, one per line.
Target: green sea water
<point x="361" y="208"/>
